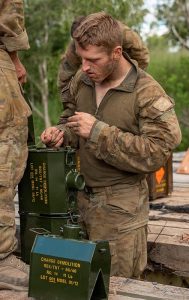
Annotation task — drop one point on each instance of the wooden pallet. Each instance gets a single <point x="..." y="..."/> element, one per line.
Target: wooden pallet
<point x="168" y="227"/>
<point x="129" y="289"/>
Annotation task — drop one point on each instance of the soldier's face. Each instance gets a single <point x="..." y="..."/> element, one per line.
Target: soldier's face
<point x="96" y="62"/>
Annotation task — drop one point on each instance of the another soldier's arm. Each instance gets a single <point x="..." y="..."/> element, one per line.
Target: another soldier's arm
<point x="20" y="69"/>
<point x="143" y="153"/>
<point x="13" y="36"/>
<point x="69" y="65"/>
<point x="69" y="105"/>
<point x="134" y="46"/>
<point x="60" y="134"/>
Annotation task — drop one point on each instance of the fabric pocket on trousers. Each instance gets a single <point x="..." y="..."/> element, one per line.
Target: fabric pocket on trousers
<point x="6" y="147"/>
<point x="6" y="112"/>
<point x="5" y="175"/>
<point x="125" y="199"/>
<point x="114" y="259"/>
<point x="7" y="218"/>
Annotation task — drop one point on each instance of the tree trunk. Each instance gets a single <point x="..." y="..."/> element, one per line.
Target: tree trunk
<point x="45" y="90"/>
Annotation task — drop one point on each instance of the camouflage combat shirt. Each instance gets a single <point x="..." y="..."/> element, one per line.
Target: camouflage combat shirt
<point x="135" y="131"/>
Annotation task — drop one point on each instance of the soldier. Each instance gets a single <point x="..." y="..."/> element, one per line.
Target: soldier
<point x="14" y="113"/>
<point x="125" y="127"/>
<point x="71" y="62"/>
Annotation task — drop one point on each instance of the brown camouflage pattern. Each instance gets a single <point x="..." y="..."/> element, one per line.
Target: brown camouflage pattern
<point x="135" y="131"/>
<point x="132" y="45"/>
<point x="13" y="35"/>
<point x="134" y="134"/>
<point x="108" y="214"/>
<point x="135" y="47"/>
<point x="14" y="113"/>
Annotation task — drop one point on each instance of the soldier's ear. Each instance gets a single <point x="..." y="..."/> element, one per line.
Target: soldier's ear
<point x="117" y="52"/>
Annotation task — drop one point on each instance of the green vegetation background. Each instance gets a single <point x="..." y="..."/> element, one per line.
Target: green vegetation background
<point x="48" y="29"/>
<point x="171" y="70"/>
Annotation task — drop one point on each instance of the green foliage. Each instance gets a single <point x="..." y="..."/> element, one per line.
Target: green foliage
<point x="48" y="25"/>
<point x="130" y="12"/>
<point x="171" y="70"/>
<point x="175" y="15"/>
<point x="55" y="108"/>
<point x="157" y="42"/>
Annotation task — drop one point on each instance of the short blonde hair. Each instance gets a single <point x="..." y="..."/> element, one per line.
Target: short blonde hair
<point x="99" y="29"/>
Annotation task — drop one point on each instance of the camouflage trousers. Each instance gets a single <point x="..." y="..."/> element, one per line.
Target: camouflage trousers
<point x="118" y="214"/>
<point x="14" y="113"/>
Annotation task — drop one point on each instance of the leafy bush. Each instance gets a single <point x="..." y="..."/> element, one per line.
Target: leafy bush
<point x="171" y="70"/>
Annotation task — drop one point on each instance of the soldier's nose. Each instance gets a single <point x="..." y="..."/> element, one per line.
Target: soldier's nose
<point x="85" y="66"/>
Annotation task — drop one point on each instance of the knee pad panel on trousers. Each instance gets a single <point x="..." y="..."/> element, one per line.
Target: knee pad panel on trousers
<point x="8" y="242"/>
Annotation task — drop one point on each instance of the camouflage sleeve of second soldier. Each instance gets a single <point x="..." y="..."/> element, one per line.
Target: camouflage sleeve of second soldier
<point x="159" y="134"/>
<point x="13" y="36"/>
<point x="69" y="65"/>
<point x="134" y="46"/>
<point x="69" y="107"/>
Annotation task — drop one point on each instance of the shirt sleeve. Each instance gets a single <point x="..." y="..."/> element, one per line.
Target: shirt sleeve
<point x="69" y="65"/>
<point x="159" y="134"/>
<point x="13" y="35"/>
<point x="69" y="107"/>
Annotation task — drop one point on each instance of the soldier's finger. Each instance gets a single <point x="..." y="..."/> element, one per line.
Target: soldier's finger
<point x="45" y="138"/>
<point x="59" y="143"/>
<point x="73" y="124"/>
<point x="74" y="118"/>
<point x="56" y="135"/>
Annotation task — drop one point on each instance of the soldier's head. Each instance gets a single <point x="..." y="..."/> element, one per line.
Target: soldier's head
<point x="98" y="29"/>
<point x="98" y="41"/>
<point x="76" y="24"/>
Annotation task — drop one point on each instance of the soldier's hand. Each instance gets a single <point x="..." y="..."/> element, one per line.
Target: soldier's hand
<point x="81" y="123"/>
<point x="52" y="137"/>
<point x="19" y="67"/>
<point x="21" y="73"/>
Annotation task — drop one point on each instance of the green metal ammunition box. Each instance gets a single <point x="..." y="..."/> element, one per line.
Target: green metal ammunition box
<point x="50" y="182"/>
<point x="32" y="224"/>
<point x="69" y="269"/>
<point x="62" y="265"/>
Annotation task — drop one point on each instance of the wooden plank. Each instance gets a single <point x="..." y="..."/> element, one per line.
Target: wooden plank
<point x="12" y="295"/>
<point x="178" y="202"/>
<point x="184" y="166"/>
<point x="181" y="184"/>
<point x="178" y="156"/>
<point x="137" y="289"/>
<point x="170" y="257"/>
<point x="123" y="289"/>
<point x="168" y="216"/>
<point x="169" y="224"/>
<point x="119" y="297"/>
<point x="168" y="244"/>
